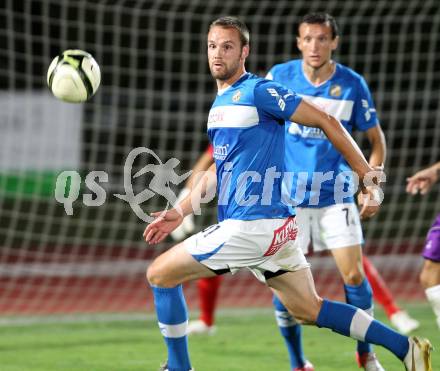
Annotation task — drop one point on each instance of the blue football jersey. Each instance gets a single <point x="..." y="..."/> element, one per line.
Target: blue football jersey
<point x="311" y="157"/>
<point x="246" y="129"/>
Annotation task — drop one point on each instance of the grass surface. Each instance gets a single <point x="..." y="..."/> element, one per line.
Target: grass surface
<point x="245" y="341"/>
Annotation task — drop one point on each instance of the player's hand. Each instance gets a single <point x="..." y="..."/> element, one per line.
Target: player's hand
<point x="371" y="196"/>
<point x="162" y="226"/>
<point x="369" y="201"/>
<point x="422" y="181"/>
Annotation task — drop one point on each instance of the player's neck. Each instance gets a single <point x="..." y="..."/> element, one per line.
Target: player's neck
<point x="224" y="84"/>
<point x="320" y="74"/>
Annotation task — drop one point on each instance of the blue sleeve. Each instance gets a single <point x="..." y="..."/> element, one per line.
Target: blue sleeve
<point x="364" y="110"/>
<point x="275" y="100"/>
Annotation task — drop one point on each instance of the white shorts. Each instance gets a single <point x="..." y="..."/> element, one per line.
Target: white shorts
<point x="259" y="245"/>
<point x="330" y="227"/>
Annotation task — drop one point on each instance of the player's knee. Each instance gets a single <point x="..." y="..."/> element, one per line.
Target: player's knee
<point x="312" y="313"/>
<point x="354" y="278"/>
<point x="156" y="276"/>
<point x="307" y="314"/>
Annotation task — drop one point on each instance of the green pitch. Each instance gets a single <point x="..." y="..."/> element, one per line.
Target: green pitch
<point x="245" y="341"/>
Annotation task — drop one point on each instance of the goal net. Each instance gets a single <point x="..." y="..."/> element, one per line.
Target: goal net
<point x="79" y="249"/>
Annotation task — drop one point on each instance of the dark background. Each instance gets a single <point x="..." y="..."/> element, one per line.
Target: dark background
<point x="156" y="92"/>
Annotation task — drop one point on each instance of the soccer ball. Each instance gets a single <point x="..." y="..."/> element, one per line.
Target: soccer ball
<point x="73" y="76"/>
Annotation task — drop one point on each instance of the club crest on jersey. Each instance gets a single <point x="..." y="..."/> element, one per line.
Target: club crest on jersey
<point x="287" y="232"/>
<point x="236" y="97"/>
<point x="335" y="90"/>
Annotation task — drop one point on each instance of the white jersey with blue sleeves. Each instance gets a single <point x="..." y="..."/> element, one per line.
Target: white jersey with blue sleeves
<point x="246" y="128"/>
<point x="345" y="95"/>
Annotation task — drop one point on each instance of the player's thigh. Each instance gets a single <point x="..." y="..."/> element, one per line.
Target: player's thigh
<point x="174" y="267"/>
<point x="297" y="292"/>
<point x="336" y="226"/>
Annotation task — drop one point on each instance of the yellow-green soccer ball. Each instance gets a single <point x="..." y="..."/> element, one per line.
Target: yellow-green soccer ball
<point x="73" y="76"/>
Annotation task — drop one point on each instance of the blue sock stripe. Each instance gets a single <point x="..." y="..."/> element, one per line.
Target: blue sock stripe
<point x="380" y="334"/>
<point x="291" y="333"/>
<point x="172" y="316"/>
<point x="361" y="296"/>
<point x="170" y="305"/>
<point x="177" y="358"/>
<point x="336" y="316"/>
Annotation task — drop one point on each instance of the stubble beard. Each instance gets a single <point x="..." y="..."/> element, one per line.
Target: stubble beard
<point x="226" y="74"/>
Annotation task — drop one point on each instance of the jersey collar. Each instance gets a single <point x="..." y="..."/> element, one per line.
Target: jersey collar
<point x="322" y="83"/>
<point x="241" y="78"/>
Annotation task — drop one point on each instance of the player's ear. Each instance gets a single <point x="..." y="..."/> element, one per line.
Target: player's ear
<point x="298" y="43"/>
<point x="245" y="52"/>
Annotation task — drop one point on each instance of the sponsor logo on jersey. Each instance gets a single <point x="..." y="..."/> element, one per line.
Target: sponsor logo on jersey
<point x="287" y="232"/>
<point x="335" y="90"/>
<point x="233" y="116"/>
<point x="294" y="129"/>
<point x="216" y="116"/>
<point x="306" y="131"/>
<point x="220" y="152"/>
<point x="236" y="97"/>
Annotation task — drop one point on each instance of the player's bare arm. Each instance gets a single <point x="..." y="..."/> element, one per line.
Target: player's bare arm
<point x="167" y="221"/>
<point x="377" y="141"/>
<point x="203" y="164"/>
<point x="309" y="115"/>
<point x="422" y="181"/>
<point x="378" y="145"/>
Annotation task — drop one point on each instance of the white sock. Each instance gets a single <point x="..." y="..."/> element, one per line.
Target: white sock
<point x="433" y="295"/>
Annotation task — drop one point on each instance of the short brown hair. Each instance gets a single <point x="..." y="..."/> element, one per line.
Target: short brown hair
<point x="233" y="22"/>
<point x="321" y="18"/>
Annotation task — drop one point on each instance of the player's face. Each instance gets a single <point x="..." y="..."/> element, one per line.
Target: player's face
<point x="226" y="56"/>
<point x="316" y="44"/>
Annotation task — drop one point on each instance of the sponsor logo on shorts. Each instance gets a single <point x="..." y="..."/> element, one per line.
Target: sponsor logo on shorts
<point x="287" y="232"/>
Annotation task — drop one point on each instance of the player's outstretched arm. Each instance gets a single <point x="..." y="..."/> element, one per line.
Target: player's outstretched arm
<point x="168" y="220"/>
<point x="310" y="115"/>
<point x="378" y="144"/>
<point x="422" y="181"/>
<point x="377" y="141"/>
<point x="203" y="164"/>
<point x="188" y="226"/>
